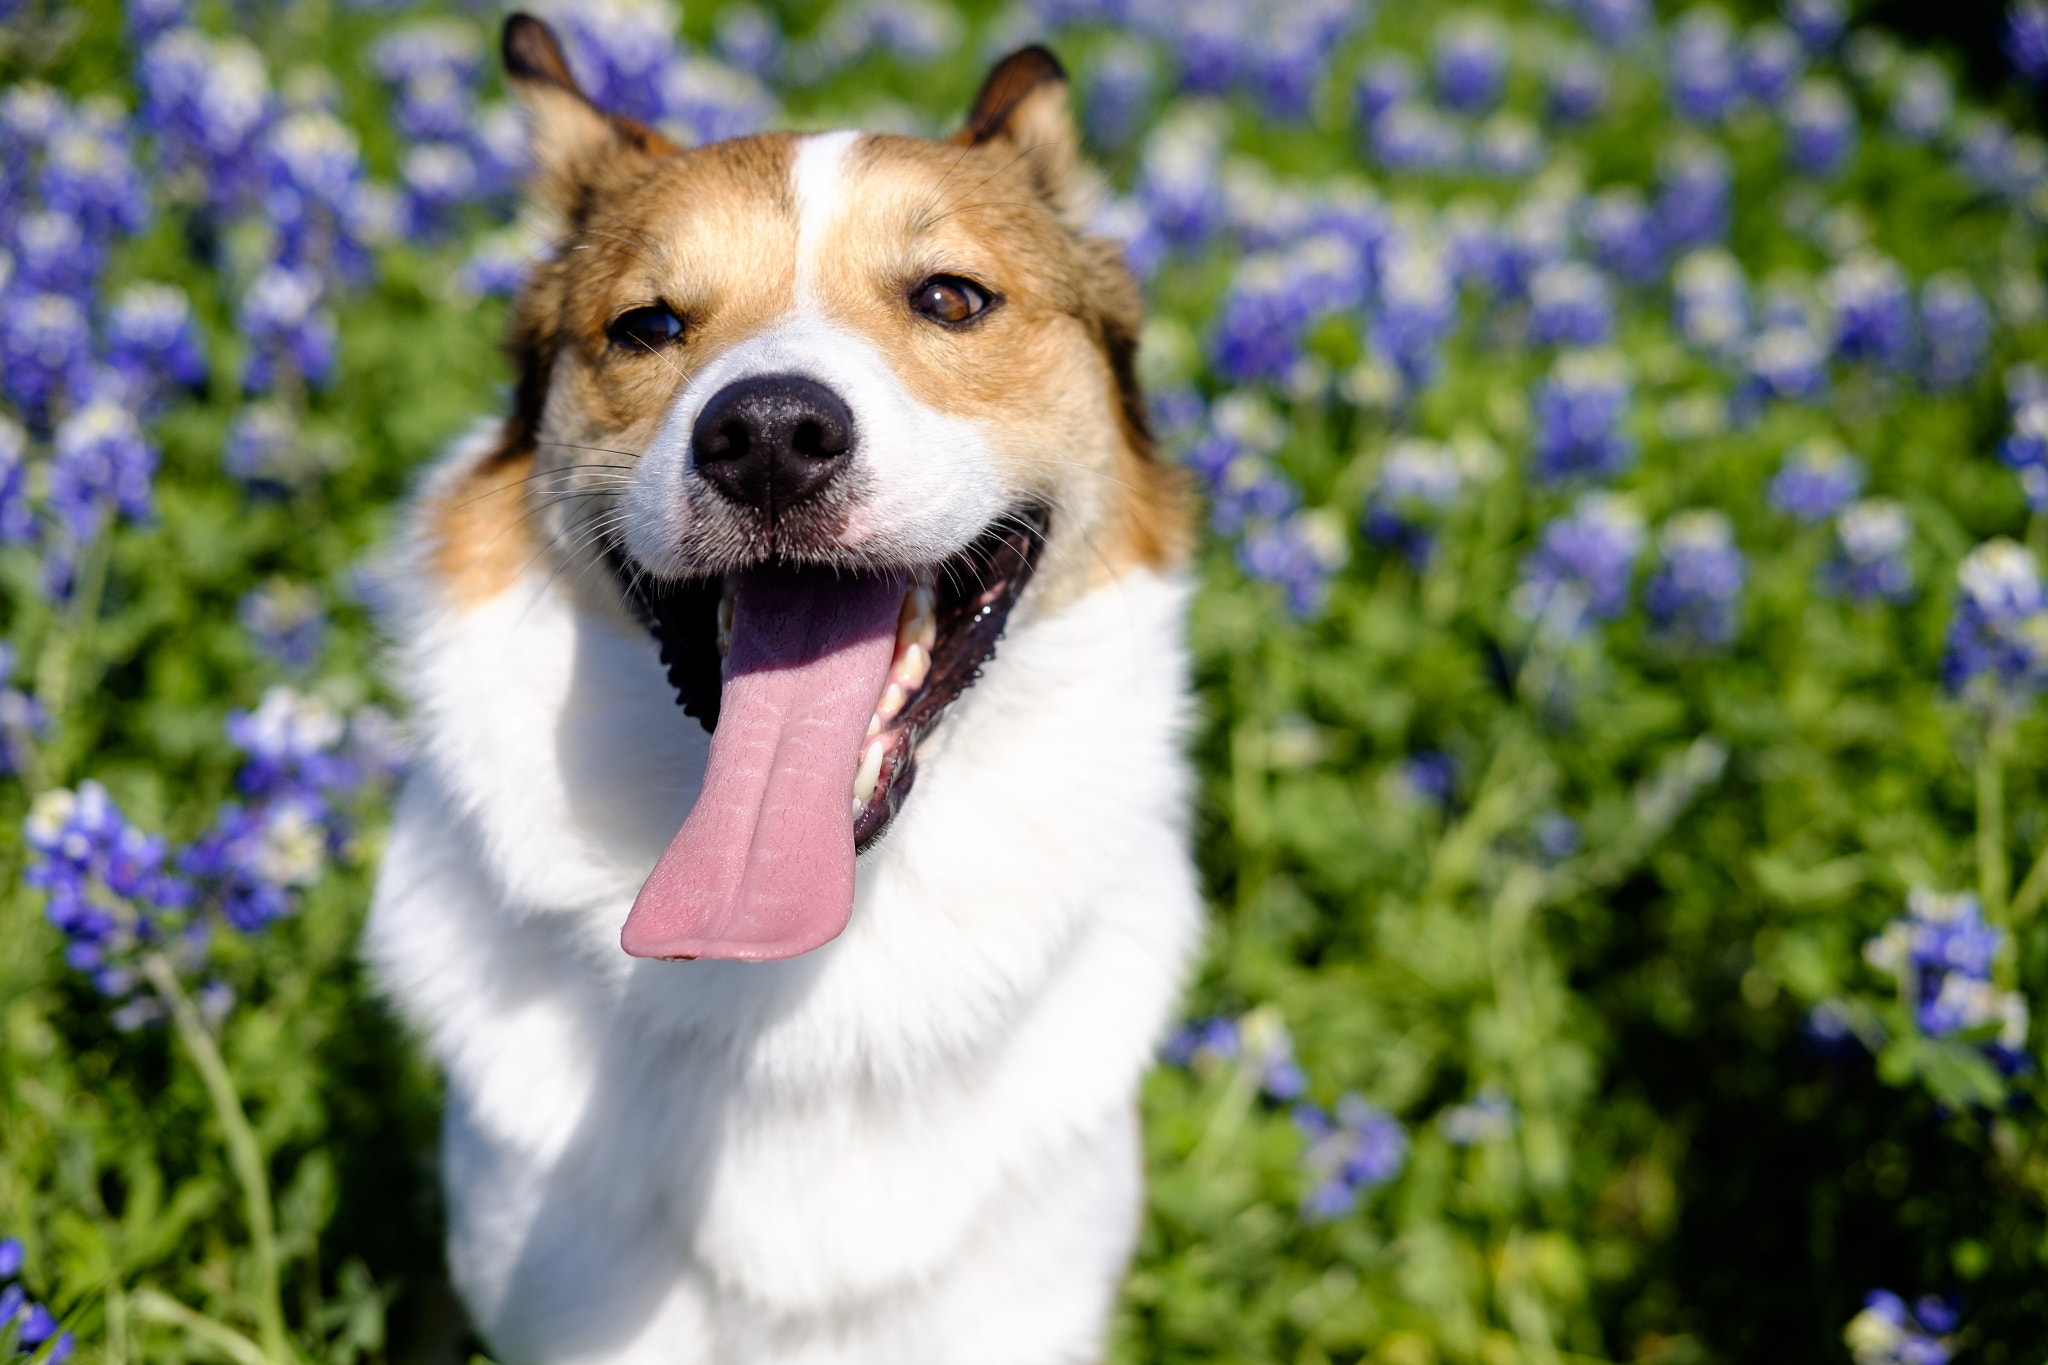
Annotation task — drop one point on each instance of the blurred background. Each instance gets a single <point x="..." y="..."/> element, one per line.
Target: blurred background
<point x="1619" y="627"/>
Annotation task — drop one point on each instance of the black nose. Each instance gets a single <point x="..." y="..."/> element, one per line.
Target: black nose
<point x="771" y="441"/>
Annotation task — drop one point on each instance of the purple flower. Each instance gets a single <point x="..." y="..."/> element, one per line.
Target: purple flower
<point x="1871" y="307"/>
<point x="11" y="1257"/>
<point x="207" y="102"/>
<point x="1710" y="298"/>
<point x="749" y="39"/>
<point x="45" y="349"/>
<point x="1418" y="483"/>
<point x="1941" y="953"/>
<point x="89" y="173"/>
<point x="1416" y="309"/>
<point x="1818" y="480"/>
<point x="1870" y="562"/>
<point x="1817" y="22"/>
<point x="1887" y="1333"/>
<point x="282" y="317"/>
<point x="1693" y="595"/>
<point x="2025" y="450"/>
<point x="1772" y="58"/>
<point x="1577" y="86"/>
<point x="52" y="253"/>
<point x="151" y="338"/>
<point x="1383" y="84"/>
<point x="1580" y="408"/>
<point x="1119" y="92"/>
<point x="263" y="445"/>
<point x="1570" y="305"/>
<point x="285" y="622"/>
<point x="1623" y="233"/>
<point x="1614" y="23"/>
<point x="1471" y="63"/>
<point x="1820" y="125"/>
<point x="1983" y="149"/>
<point x="1696" y="199"/>
<point x="617" y="48"/>
<point x="1430" y="777"/>
<point x="1412" y="136"/>
<point x="1489" y="1115"/>
<point x="2026" y="38"/>
<point x="1955" y="327"/>
<point x="103" y="462"/>
<point x="1297" y="554"/>
<point x="1997" y="651"/>
<point x="1580" y="570"/>
<point x="1924" y="101"/>
<point x="1702" y="66"/>
<point x="1357" y="1151"/>
<point x="1273" y="299"/>
<point x="1509" y="146"/>
<point x="149" y="18"/>
<point x="1178" y="182"/>
<point x="709" y="102"/>
<point x="1786" y="360"/>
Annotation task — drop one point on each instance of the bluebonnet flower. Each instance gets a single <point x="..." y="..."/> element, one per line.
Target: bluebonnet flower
<point x="1415" y="310"/>
<point x="145" y="19"/>
<point x="2026" y="38"/>
<point x="1384" y="83"/>
<point x="1820" y="127"/>
<point x="1178" y="177"/>
<point x="52" y="253"/>
<point x="1924" y="101"/>
<point x="1581" y="568"/>
<point x="89" y="173"/>
<point x="1570" y="305"/>
<point x="1941" y="953"/>
<point x="1259" y="1041"/>
<point x="1556" y="834"/>
<point x="1817" y="480"/>
<point x="499" y="263"/>
<point x="285" y="622"/>
<point x="1983" y="145"/>
<point x="1580" y="407"/>
<point x="706" y="101"/>
<point x="1349" y="1154"/>
<point x="1211" y="40"/>
<point x="617" y="49"/>
<point x="1471" y="63"/>
<point x="1870" y="563"/>
<point x="313" y="168"/>
<point x="1576" y="86"/>
<point x="438" y="176"/>
<point x="103" y="462"/>
<point x="282" y="317"/>
<point x="1817" y="22"/>
<point x="1997" y="653"/>
<point x="1772" y="58"/>
<point x="1710" y="297"/>
<point x="1696" y="196"/>
<point x="45" y="349"/>
<point x="264" y="446"/>
<point x="1298" y="554"/>
<point x="1418" y="482"/>
<point x="433" y="65"/>
<point x="1887" y="1332"/>
<point x="1429" y="777"/>
<point x="1413" y="136"/>
<point x="151" y="339"/>
<point x="1537" y="234"/>
<point x="1509" y="146"/>
<point x="1624" y="234"/>
<point x="1955" y="328"/>
<point x="109" y="892"/>
<point x="1473" y="250"/>
<point x="1703" y="70"/>
<point x="749" y="39"/>
<point x="2025" y="449"/>
<point x="1614" y="22"/>
<point x="1786" y="360"/>
<point x="207" y="102"/>
<point x="22" y="718"/>
<point x="1204" y="1044"/>
<point x="1871" y="309"/>
<point x="1489" y="1115"/>
<point x="1274" y="298"/>
<point x="1291" y="51"/>
<point x="1693" y="596"/>
<point x="1119" y="88"/>
<point x="17" y="520"/>
<point x="34" y="1325"/>
<point x="291" y="742"/>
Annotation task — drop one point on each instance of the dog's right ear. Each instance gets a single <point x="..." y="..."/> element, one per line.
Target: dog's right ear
<point x="575" y="144"/>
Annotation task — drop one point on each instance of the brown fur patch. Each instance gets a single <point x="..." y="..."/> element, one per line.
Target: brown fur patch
<point x="479" y="530"/>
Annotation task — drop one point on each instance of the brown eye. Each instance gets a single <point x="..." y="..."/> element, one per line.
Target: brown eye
<point x="950" y="299"/>
<point x="645" y="329"/>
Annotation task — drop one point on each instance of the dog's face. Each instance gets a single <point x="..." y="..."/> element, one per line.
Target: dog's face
<point x="822" y="406"/>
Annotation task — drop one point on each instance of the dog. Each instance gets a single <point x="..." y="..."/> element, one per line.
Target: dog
<point x="793" y="882"/>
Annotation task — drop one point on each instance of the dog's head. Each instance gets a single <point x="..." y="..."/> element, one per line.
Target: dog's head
<point x="818" y="408"/>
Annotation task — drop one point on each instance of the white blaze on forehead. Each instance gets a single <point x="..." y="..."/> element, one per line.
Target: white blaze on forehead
<point x="817" y="176"/>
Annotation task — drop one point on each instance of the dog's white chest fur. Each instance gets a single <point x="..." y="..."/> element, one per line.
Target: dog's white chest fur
<point x="916" y="1144"/>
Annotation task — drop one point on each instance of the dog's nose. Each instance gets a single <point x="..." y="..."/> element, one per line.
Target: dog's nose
<point x="771" y="441"/>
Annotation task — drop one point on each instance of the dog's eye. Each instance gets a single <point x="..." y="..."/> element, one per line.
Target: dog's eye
<point x="950" y="299"/>
<point x="645" y="329"/>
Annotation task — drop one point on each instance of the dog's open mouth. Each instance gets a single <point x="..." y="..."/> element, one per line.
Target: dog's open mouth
<point x="816" y="684"/>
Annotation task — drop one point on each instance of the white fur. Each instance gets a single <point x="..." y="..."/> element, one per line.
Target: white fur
<point x="917" y="1143"/>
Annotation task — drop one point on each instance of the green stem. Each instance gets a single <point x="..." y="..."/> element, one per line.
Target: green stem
<point x="244" y="1156"/>
<point x="1992" y="872"/>
<point x="2031" y="893"/>
<point x="153" y="1306"/>
<point x="57" y="668"/>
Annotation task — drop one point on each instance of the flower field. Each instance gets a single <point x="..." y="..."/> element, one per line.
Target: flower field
<point x="1623" y="439"/>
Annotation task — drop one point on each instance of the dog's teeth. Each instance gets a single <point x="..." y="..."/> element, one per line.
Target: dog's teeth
<point x="911" y="669"/>
<point x="870" y="773"/>
<point x="892" y="698"/>
<point x="918" y="623"/>
<point x="725" y="618"/>
<point x="874" y="726"/>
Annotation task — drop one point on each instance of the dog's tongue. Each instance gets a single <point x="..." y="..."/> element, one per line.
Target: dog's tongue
<point x="763" y="866"/>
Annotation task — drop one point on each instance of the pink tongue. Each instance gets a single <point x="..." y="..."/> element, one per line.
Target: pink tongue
<point x="763" y="866"/>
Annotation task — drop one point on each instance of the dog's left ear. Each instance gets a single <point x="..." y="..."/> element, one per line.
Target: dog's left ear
<point x="1022" y="108"/>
